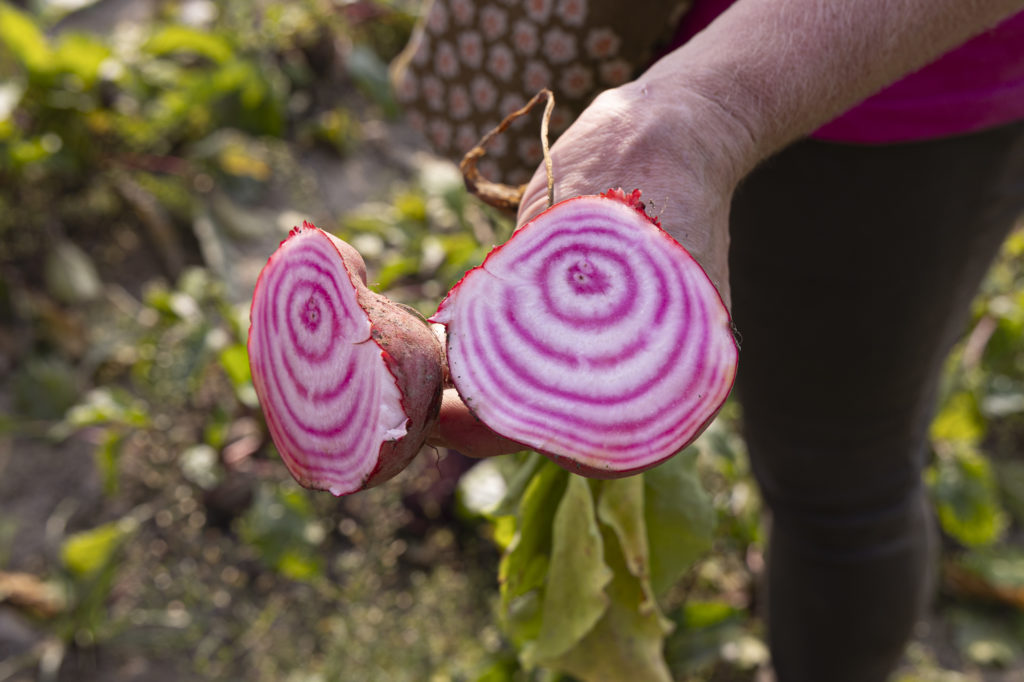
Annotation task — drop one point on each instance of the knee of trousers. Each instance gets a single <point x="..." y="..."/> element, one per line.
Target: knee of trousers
<point x="840" y="490"/>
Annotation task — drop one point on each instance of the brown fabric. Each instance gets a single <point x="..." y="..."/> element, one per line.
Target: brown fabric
<point x="471" y="62"/>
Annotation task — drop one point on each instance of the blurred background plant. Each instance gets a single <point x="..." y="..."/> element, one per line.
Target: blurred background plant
<point x="152" y="154"/>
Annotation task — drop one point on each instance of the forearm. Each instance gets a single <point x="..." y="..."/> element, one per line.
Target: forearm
<point x="778" y="69"/>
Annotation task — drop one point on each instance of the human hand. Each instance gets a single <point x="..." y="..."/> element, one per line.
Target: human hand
<point x="679" y="151"/>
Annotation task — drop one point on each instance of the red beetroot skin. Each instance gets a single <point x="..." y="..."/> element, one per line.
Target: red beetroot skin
<point x="410" y="350"/>
<point x="472" y="377"/>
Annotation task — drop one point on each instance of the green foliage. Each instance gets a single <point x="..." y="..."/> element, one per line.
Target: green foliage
<point x="90" y="560"/>
<point x="967" y="498"/>
<point x="85" y="554"/>
<point x="578" y="581"/>
<point x="281" y="525"/>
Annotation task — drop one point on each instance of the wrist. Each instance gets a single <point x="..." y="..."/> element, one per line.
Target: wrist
<point x="715" y="142"/>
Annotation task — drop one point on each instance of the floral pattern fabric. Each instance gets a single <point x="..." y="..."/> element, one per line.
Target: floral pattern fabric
<point x="472" y="62"/>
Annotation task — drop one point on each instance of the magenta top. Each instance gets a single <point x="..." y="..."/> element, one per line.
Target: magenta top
<point x="976" y="86"/>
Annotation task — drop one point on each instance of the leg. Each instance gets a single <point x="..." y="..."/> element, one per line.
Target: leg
<point x="852" y="272"/>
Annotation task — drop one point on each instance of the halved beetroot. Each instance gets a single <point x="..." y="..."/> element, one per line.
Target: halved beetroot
<point x="593" y="337"/>
<point x="349" y="381"/>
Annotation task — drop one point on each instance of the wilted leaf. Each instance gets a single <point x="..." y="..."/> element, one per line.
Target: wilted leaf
<point x="626" y="643"/>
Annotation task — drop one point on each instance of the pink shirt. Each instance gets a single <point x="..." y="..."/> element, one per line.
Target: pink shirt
<point x="976" y="86"/>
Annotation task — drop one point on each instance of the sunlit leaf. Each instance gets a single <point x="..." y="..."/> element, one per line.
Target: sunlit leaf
<point x="102" y="406"/>
<point x="182" y="39"/>
<point x="85" y="553"/>
<point x="959" y="420"/>
<point x="574" y="597"/>
<point x="82" y="55"/>
<point x="626" y="643"/>
<point x="524" y="567"/>
<point x="235" y="361"/>
<point x="621" y="508"/>
<point x="25" y="41"/>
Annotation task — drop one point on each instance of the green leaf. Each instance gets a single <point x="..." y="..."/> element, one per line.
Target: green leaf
<point x="964" y="491"/>
<point x="959" y="420"/>
<point x="626" y="643"/>
<point x="533" y="537"/>
<point x="517" y="483"/>
<point x="574" y="597"/>
<point x="281" y="525"/>
<point x="235" y="361"/>
<point x="85" y="554"/>
<point x="176" y="38"/>
<point x="103" y="406"/>
<point x="20" y="35"/>
<point x="82" y="55"/>
<point x="371" y="75"/>
<point x="621" y="508"/>
<point x="108" y="455"/>
<point x="679" y="516"/>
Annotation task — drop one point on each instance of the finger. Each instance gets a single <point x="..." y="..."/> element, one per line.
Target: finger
<point x="459" y="429"/>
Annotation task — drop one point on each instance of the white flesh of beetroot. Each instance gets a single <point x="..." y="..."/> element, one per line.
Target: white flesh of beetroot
<point x="332" y="402"/>
<point x="593" y="337"/>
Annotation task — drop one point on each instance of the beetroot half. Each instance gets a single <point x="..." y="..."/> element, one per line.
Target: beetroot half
<point x="349" y="381"/>
<point x="593" y="337"/>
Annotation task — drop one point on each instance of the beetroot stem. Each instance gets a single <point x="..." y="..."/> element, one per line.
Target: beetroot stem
<point x="497" y="194"/>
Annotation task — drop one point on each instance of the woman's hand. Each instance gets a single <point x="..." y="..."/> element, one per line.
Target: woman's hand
<point x="680" y="151"/>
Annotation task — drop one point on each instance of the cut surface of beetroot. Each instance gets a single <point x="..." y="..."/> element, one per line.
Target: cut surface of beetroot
<point x="593" y="337"/>
<point x="333" y="406"/>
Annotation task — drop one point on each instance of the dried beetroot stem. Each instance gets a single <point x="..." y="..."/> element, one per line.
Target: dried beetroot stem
<point x="349" y="381"/>
<point x="507" y="197"/>
<point x="593" y="337"/>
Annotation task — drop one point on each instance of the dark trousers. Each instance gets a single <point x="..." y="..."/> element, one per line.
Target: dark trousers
<point x="852" y="271"/>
